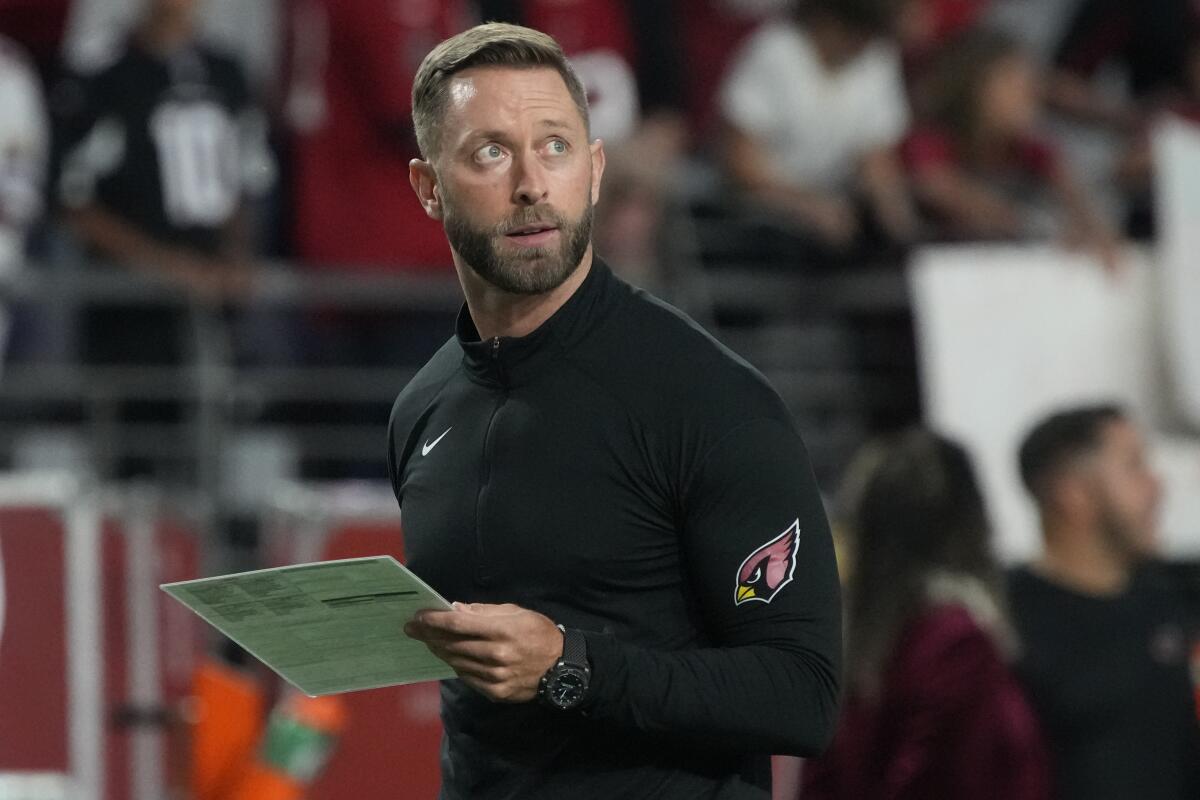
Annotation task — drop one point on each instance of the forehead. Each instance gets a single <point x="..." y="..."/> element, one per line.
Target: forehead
<point x="490" y="96"/>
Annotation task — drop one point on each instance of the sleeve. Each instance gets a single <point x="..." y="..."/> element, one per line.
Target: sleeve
<point x="1098" y="31"/>
<point x="92" y="137"/>
<point x="886" y="112"/>
<point x="926" y="149"/>
<point x="746" y="98"/>
<point x="23" y="144"/>
<point x="761" y="567"/>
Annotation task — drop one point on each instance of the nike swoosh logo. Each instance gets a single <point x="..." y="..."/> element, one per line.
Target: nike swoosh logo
<point x="430" y="445"/>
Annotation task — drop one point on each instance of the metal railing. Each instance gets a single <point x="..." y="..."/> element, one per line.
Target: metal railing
<point x="223" y="398"/>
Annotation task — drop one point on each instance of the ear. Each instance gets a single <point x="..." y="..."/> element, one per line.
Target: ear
<point x="1073" y="494"/>
<point x="424" y="182"/>
<point x="597" y="148"/>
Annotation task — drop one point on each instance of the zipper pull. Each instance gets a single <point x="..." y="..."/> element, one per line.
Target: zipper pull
<point x="496" y="347"/>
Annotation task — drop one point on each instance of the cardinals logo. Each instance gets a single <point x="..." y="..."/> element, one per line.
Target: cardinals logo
<point x="769" y="568"/>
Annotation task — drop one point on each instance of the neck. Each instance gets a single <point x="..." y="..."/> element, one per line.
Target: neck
<point x="163" y="32"/>
<point x="499" y="313"/>
<point x="1082" y="561"/>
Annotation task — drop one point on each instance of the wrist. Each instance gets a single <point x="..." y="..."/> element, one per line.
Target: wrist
<point x="564" y="685"/>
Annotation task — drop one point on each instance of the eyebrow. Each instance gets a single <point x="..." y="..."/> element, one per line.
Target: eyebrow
<point x="553" y="124"/>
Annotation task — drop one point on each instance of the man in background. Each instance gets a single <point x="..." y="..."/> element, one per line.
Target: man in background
<point x="1105" y="633"/>
<point x="167" y="145"/>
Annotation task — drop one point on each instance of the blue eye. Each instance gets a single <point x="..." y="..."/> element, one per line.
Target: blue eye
<point x="558" y="147"/>
<point x="490" y="152"/>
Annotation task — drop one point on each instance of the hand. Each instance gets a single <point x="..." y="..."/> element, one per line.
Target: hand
<point x="237" y="279"/>
<point x="199" y="276"/>
<point x="833" y="219"/>
<point x="501" y="651"/>
<point x="1102" y="243"/>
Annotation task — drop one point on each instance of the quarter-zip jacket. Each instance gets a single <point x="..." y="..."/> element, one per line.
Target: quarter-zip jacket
<point x="624" y="474"/>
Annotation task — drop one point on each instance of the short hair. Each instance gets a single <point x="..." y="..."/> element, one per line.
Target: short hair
<point x="492" y="44"/>
<point x="869" y="16"/>
<point x="1061" y="438"/>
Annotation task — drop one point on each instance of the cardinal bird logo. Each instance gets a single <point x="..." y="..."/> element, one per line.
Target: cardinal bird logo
<point x="769" y="568"/>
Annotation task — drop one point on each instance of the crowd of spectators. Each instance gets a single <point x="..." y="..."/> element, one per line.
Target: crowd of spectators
<point x="854" y="129"/>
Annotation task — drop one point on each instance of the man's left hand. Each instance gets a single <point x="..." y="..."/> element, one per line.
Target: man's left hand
<point x="501" y="651"/>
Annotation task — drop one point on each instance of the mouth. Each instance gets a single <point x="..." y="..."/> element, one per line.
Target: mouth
<point x="532" y="235"/>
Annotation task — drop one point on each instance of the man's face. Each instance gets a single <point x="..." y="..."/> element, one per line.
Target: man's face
<point x="517" y="177"/>
<point x="1125" y="492"/>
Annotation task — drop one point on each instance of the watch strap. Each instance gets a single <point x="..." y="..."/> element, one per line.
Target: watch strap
<point x="574" y="647"/>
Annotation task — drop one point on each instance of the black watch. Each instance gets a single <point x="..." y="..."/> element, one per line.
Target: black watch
<point x="564" y="685"/>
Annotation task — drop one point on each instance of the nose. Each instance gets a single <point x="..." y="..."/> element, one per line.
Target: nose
<point x="531" y="185"/>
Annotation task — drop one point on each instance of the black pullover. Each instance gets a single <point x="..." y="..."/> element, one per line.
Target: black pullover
<point x="624" y="474"/>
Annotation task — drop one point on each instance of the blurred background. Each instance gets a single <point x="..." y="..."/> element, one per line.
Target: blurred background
<point x="214" y="280"/>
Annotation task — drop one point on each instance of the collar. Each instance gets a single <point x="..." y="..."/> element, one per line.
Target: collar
<point x="511" y="360"/>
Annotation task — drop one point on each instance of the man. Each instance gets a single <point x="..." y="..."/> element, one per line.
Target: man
<point x="582" y="455"/>
<point x="167" y="146"/>
<point x="815" y="108"/>
<point x="1105" y="635"/>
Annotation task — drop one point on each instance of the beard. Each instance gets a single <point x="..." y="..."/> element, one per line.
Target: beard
<point x="1132" y="540"/>
<point x="525" y="271"/>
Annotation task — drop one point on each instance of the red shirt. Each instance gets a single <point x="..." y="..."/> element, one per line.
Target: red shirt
<point x="951" y="723"/>
<point x="350" y="77"/>
<point x="1027" y="156"/>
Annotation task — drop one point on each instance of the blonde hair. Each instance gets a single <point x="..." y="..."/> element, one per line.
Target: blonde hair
<point x="493" y="44"/>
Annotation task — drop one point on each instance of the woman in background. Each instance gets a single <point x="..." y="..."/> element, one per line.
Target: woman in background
<point x="979" y="168"/>
<point x="932" y="709"/>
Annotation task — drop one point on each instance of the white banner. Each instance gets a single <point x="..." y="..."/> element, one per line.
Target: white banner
<point x="1177" y="188"/>
<point x="34" y="786"/>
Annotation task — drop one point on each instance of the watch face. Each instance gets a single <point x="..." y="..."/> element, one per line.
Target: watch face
<point x="567" y="687"/>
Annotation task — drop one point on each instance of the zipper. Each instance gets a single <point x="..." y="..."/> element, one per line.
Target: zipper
<point x="482" y="568"/>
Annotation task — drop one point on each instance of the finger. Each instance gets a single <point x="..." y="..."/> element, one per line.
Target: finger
<point x="461" y="623"/>
<point x="466" y="668"/>
<point x="489" y="610"/>
<point x="481" y="652"/>
<point x="428" y="633"/>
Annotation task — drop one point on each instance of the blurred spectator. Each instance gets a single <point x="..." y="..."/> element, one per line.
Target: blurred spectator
<point x="978" y="167"/>
<point x="627" y="56"/>
<point x="1105" y="636"/>
<point x="24" y="145"/>
<point x="1152" y="40"/>
<point x="348" y="104"/>
<point x="815" y="107"/>
<point x="932" y="710"/>
<point x="165" y="145"/>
